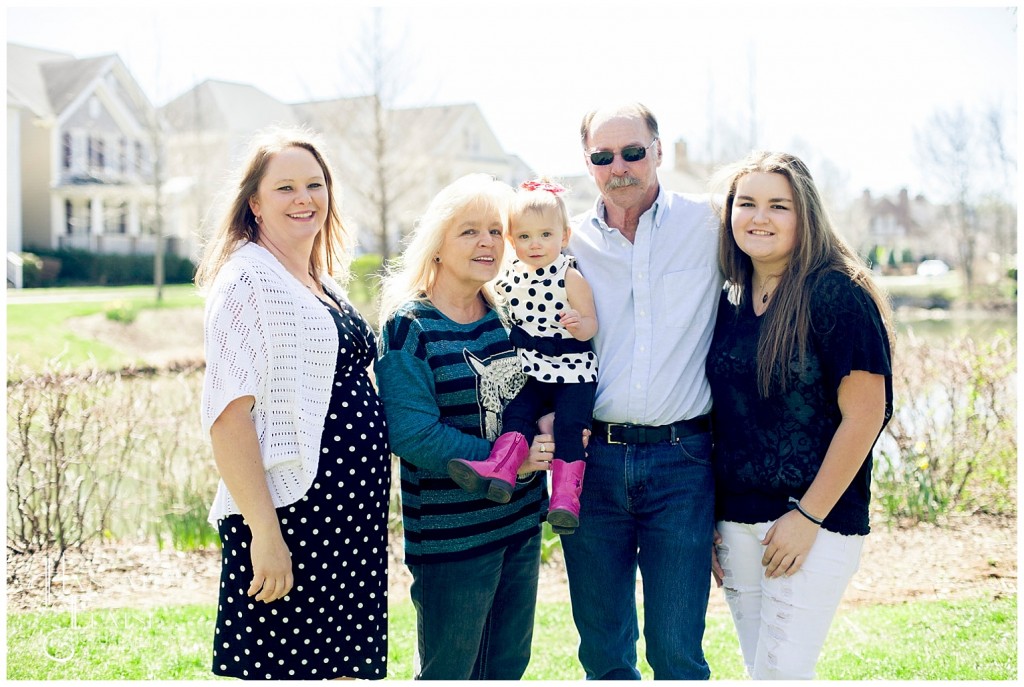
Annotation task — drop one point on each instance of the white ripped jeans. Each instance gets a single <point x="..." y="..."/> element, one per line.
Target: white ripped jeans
<point x="782" y="622"/>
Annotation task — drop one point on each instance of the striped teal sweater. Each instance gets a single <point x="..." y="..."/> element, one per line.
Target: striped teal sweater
<point x="444" y="386"/>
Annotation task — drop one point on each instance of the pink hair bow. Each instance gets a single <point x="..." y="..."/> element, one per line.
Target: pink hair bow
<point x="542" y="186"/>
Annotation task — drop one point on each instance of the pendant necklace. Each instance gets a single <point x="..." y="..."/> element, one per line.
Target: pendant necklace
<point x="764" y="288"/>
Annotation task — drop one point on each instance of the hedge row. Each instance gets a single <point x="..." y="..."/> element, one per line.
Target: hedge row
<point x="49" y="267"/>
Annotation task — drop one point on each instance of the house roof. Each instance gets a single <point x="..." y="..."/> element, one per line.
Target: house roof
<point x="434" y="126"/>
<point x="66" y="80"/>
<point x="226" y="105"/>
<point x="26" y="84"/>
<point x="49" y="83"/>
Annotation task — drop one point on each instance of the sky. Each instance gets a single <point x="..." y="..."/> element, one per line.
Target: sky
<point x="847" y="86"/>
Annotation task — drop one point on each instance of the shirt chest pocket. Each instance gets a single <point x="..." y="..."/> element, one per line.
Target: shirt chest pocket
<point x="688" y="297"/>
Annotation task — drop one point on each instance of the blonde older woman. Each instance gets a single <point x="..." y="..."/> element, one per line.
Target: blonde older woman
<point x="445" y="372"/>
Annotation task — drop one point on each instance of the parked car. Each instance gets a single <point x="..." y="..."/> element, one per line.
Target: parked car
<point x="932" y="268"/>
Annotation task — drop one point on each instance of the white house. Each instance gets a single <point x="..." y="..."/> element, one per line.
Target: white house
<point x="81" y="155"/>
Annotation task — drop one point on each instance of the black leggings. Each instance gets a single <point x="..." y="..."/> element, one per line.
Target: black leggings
<point x="573" y="405"/>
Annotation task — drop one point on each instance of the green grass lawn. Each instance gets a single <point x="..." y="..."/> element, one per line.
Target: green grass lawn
<point x="37" y="331"/>
<point x="963" y="640"/>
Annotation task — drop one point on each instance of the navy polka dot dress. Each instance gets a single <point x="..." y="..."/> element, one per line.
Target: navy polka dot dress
<point x="333" y="623"/>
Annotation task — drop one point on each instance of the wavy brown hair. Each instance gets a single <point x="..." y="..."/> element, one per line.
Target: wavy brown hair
<point x="332" y="246"/>
<point x="819" y="249"/>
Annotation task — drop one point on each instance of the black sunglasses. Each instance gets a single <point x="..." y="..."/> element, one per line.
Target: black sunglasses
<point x="629" y="154"/>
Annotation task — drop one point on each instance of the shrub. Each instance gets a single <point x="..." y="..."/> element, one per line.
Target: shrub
<point x="121" y="311"/>
<point x="61" y="493"/>
<point x="31" y="270"/>
<point x="96" y="455"/>
<point x="951" y="444"/>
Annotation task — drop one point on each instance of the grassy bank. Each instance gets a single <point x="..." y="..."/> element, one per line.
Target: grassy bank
<point x="962" y="640"/>
<point x="37" y="322"/>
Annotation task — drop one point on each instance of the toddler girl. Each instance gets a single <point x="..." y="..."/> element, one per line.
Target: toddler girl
<point x="552" y="309"/>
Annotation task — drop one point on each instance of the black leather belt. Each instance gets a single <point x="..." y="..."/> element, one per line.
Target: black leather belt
<point x="615" y="433"/>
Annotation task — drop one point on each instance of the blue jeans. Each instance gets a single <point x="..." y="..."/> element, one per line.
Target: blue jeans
<point x="474" y="618"/>
<point x="650" y="506"/>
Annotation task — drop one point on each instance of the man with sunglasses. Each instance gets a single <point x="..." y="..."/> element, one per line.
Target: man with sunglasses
<point x="651" y="258"/>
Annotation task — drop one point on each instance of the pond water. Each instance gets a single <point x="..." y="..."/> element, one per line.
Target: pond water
<point x="952" y="324"/>
<point x="928" y="411"/>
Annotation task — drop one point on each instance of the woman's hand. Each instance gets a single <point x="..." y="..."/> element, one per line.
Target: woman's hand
<point x="271" y="566"/>
<point x="787" y="544"/>
<point x="542" y="451"/>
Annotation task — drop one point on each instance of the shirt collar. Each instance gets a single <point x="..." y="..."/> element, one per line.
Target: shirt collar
<point x="660" y="209"/>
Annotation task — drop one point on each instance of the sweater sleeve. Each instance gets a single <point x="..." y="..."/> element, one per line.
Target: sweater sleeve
<point x="235" y="345"/>
<point x="415" y="429"/>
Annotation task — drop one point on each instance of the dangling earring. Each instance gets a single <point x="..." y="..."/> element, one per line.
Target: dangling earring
<point x="258" y="220"/>
<point x="437" y="258"/>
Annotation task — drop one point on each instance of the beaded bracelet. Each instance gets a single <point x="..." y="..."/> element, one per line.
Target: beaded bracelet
<point x="795" y="503"/>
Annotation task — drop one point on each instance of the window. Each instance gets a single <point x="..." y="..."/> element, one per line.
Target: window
<point x="123" y="157"/>
<point x="115" y="220"/>
<point x="67" y="151"/>
<point x="69" y="217"/>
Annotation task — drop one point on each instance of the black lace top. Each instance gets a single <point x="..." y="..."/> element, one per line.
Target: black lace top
<point x="768" y="449"/>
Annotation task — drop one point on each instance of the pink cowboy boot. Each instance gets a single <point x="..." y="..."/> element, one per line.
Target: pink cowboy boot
<point x="566" y="485"/>
<point x="497" y="474"/>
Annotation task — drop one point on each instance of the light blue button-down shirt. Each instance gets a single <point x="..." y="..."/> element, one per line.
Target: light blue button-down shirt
<point x="656" y="302"/>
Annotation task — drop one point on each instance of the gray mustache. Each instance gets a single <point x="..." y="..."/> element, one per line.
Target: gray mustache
<point x="621" y="182"/>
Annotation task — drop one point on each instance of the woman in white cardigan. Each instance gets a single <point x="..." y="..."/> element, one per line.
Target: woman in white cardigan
<point x="298" y="434"/>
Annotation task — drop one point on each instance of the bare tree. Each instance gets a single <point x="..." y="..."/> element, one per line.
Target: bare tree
<point x="969" y="157"/>
<point x="156" y="140"/>
<point x="947" y="150"/>
<point x="154" y="126"/>
<point x="999" y="202"/>
<point x="379" y="147"/>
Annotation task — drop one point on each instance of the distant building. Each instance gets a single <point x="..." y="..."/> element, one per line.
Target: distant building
<point x="422" y="150"/>
<point x="900" y="224"/>
<point x="81" y="158"/>
<point x="85" y="145"/>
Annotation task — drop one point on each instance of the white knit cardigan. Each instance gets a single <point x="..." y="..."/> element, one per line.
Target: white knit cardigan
<point x="268" y="336"/>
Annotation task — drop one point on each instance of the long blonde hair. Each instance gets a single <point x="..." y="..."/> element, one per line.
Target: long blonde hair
<point x="819" y="249"/>
<point x="411" y="275"/>
<point x="332" y="247"/>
